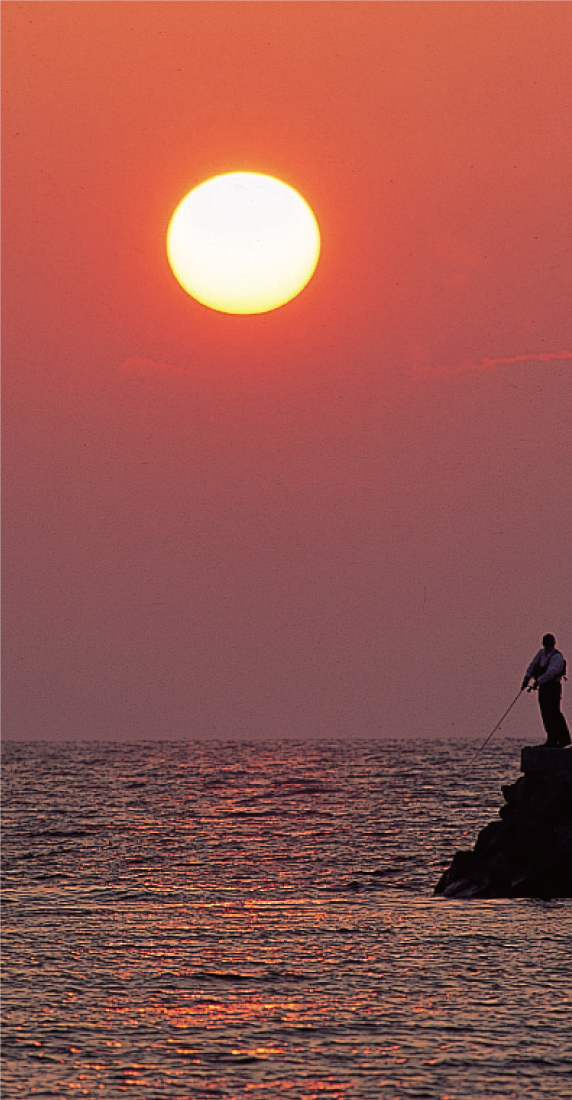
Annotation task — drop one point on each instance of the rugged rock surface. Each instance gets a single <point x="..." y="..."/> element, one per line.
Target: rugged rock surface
<point x="528" y="853"/>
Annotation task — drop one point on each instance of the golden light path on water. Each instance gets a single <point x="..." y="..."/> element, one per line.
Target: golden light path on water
<point x="193" y="920"/>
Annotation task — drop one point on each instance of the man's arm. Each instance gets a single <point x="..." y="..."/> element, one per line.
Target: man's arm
<point x="530" y="670"/>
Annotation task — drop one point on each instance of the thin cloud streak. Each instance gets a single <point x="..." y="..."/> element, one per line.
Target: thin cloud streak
<point x="487" y="364"/>
<point x="136" y="364"/>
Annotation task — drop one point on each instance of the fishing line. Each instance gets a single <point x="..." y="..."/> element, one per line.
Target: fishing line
<point x="487" y="739"/>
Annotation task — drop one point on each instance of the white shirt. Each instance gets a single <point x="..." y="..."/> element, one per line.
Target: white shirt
<point x="551" y="667"/>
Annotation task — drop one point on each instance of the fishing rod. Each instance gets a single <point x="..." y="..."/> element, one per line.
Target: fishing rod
<point x="499" y="723"/>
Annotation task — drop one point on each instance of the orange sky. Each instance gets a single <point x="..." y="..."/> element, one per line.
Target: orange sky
<point x="349" y="516"/>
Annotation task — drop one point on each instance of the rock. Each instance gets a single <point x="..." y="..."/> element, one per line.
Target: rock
<point x="546" y="761"/>
<point x="528" y="853"/>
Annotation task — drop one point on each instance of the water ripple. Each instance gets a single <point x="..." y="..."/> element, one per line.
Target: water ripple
<point x="206" y="920"/>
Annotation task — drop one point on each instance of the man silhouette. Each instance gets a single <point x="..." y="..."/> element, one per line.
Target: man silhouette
<point x="547" y="670"/>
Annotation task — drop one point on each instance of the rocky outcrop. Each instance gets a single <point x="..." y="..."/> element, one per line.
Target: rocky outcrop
<point x="528" y="853"/>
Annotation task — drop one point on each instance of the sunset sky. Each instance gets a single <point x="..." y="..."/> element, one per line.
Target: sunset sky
<point x="350" y="516"/>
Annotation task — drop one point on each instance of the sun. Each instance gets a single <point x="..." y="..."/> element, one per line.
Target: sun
<point x="243" y="243"/>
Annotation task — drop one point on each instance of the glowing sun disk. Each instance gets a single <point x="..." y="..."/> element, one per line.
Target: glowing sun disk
<point x="243" y="243"/>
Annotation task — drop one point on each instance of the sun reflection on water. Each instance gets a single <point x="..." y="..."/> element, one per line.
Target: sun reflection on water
<point x="208" y="921"/>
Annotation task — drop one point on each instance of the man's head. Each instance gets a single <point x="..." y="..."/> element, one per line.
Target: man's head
<point x="549" y="641"/>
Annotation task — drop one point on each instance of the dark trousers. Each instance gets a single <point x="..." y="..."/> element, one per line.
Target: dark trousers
<point x="549" y="696"/>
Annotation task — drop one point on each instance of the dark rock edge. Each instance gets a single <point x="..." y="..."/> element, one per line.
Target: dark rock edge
<point x="528" y="853"/>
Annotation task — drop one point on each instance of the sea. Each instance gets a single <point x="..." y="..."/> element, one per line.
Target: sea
<point x="201" y="920"/>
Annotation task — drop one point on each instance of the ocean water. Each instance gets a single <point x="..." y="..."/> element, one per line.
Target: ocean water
<point x="257" y="920"/>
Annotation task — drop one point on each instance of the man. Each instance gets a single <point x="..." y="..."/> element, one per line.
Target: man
<point x="547" y="669"/>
